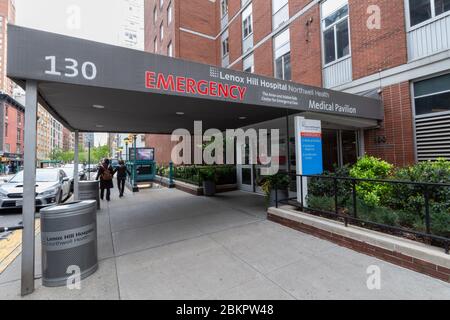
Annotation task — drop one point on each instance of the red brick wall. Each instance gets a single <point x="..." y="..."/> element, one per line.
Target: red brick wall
<point x="199" y="16"/>
<point x="235" y="39"/>
<point x="10" y="137"/>
<point x="397" y="128"/>
<point x="262" y="19"/>
<point x="264" y="59"/>
<point x="163" y="147"/>
<point x="152" y="29"/>
<point x="305" y="48"/>
<point x="374" y="50"/>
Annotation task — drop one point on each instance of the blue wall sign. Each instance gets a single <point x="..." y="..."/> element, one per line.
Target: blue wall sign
<point x="311" y="144"/>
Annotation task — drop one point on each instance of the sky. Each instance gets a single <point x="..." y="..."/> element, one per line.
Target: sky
<point x="89" y="19"/>
<point x="95" y="20"/>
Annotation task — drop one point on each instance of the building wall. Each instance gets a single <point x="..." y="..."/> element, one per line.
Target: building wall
<point x="13" y="129"/>
<point x="7" y="15"/>
<point x="394" y="140"/>
<point x="381" y="59"/>
<point x="163" y="147"/>
<point x="377" y="49"/>
<point x="43" y="134"/>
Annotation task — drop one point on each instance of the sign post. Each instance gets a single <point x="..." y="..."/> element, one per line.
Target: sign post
<point x="308" y="150"/>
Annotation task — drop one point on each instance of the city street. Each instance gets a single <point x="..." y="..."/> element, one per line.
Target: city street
<point x="8" y="218"/>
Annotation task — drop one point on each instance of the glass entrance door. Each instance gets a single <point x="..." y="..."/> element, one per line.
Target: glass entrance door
<point x="245" y="172"/>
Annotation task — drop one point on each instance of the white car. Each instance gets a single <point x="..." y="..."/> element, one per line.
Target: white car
<point x="52" y="187"/>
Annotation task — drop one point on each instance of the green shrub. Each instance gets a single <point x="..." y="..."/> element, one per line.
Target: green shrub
<point x="325" y="187"/>
<point x="440" y="223"/>
<point x="367" y="167"/>
<point x="411" y="197"/>
<point x="377" y="214"/>
<point x="321" y="203"/>
<point x="279" y="181"/>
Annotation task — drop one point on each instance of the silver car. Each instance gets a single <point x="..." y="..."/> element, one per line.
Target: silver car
<point x="52" y="187"/>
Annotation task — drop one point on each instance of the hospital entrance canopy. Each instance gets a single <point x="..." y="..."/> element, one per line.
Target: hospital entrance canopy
<point x="91" y="86"/>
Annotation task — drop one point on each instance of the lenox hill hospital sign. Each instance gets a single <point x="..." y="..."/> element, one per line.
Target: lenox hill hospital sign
<point x="49" y="57"/>
<point x="232" y="86"/>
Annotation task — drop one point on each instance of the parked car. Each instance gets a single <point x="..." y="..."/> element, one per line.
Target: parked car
<point x="69" y="169"/>
<point x="52" y="187"/>
<point x="92" y="167"/>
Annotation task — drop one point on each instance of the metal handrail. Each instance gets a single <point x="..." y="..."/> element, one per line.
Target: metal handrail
<point x="348" y="218"/>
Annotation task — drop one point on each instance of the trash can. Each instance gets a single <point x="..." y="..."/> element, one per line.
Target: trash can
<point x="69" y="242"/>
<point x="89" y="190"/>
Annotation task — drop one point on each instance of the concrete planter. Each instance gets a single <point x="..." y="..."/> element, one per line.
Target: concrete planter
<point x="282" y="195"/>
<point x="209" y="188"/>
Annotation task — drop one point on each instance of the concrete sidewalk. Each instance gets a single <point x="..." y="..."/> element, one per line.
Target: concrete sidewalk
<point x="166" y="244"/>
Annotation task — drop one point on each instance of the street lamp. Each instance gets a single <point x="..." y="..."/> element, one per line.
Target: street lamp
<point x="126" y="140"/>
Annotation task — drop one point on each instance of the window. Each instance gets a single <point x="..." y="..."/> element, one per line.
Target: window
<point x="336" y="38"/>
<point x="155" y="15"/>
<point x="155" y="44"/>
<point x="432" y="95"/>
<point x="249" y="64"/>
<point x="423" y="10"/>
<point x="18" y="135"/>
<point x="170" y="49"/>
<point x="223" y="7"/>
<point x="169" y="14"/>
<point x="247" y="27"/>
<point x="6" y="129"/>
<point x="280" y="12"/>
<point x="19" y="118"/>
<point x="225" y="47"/>
<point x="282" y="53"/>
<point x="441" y="6"/>
<point x="161" y="32"/>
<point x="7" y="147"/>
<point x="6" y="111"/>
<point x="161" y="4"/>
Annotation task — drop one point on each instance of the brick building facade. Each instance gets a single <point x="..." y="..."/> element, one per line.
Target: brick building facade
<point x="396" y="50"/>
<point x="12" y="112"/>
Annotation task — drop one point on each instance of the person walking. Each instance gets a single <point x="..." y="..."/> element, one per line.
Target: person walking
<point x="122" y="172"/>
<point x="105" y="174"/>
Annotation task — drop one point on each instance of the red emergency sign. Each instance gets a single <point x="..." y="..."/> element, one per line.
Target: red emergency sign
<point x="191" y="86"/>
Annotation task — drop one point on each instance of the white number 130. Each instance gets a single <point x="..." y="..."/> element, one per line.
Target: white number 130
<point x="88" y="69"/>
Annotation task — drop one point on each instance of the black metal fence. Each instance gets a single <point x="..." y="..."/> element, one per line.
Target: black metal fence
<point x="351" y="215"/>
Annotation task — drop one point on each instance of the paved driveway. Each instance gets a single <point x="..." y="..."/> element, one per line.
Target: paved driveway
<point x="166" y="244"/>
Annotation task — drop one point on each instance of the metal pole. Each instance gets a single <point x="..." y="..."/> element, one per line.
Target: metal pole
<point x="75" y="168"/>
<point x="134" y="164"/>
<point x="89" y="160"/>
<point x="427" y="210"/>
<point x="355" y="205"/>
<point x="29" y="189"/>
<point x="335" y="196"/>
<point x="288" y="144"/>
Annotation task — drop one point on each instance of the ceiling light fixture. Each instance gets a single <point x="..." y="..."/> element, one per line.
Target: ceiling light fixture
<point x="98" y="106"/>
<point x="180" y="113"/>
<point x="242" y="118"/>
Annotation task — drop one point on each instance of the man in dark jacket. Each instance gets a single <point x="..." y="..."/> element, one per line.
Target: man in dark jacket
<point x="122" y="173"/>
<point x="105" y="174"/>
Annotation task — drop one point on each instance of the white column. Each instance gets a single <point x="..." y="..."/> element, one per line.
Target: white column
<point x="29" y="189"/>
<point x="75" y="173"/>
